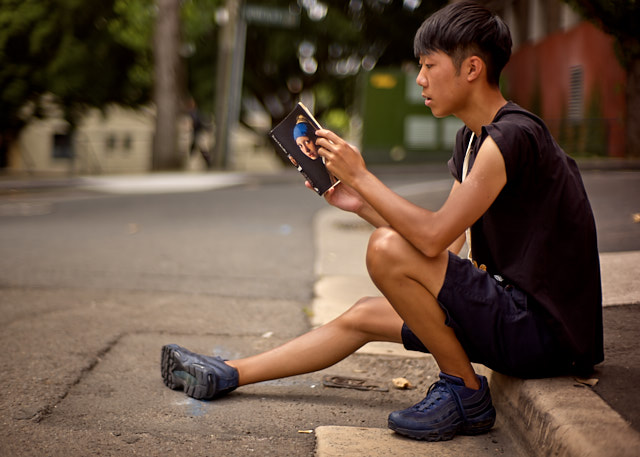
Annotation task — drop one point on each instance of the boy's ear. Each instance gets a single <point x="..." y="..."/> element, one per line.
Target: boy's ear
<point x="474" y="67"/>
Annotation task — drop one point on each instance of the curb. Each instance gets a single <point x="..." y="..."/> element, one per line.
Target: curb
<point x="560" y="417"/>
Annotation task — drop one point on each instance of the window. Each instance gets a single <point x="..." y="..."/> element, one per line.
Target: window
<point x="110" y="142"/>
<point x="576" y="93"/>
<point x="62" y="146"/>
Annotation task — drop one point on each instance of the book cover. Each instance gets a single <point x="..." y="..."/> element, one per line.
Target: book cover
<point x="296" y="139"/>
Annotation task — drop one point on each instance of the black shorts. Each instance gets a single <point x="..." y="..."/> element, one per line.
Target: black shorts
<point x="497" y="324"/>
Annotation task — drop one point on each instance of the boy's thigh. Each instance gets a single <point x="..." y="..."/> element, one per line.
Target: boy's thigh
<point x="497" y="324"/>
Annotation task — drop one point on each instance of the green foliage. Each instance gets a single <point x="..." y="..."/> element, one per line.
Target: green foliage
<point x="200" y="43"/>
<point x="336" y="119"/>
<point x="596" y="125"/>
<point x="586" y="137"/>
<point x="198" y="19"/>
<point x="65" y="48"/>
<point x="377" y="31"/>
<point x="90" y="54"/>
<point x="132" y="24"/>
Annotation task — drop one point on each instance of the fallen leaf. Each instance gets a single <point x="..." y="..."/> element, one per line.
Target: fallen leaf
<point x="401" y="383"/>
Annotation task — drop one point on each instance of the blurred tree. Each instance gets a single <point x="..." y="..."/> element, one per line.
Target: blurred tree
<point x="621" y="19"/>
<point x="90" y="54"/>
<point x="335" y="41"/>
<point x="166" y="36"/>
<point x="168" y="91"/>
<point x="64" y="48"/>
<point x="83" y="54"/>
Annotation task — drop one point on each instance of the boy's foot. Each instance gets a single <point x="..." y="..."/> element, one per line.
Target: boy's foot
<point x="200" y="376"/>
<point x="449" y="408"/>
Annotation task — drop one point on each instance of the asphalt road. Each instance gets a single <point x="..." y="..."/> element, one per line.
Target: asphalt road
<point x="93" y="285"/>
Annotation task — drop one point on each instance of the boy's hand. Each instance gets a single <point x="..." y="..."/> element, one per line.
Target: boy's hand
<point x="341" y="196"/>
<point x="344" y="197"/>
<point x="342" y="159"/>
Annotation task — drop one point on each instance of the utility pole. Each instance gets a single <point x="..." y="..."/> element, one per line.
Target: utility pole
<point x="233" y="19"/>
<point x="166" y="43"/>
<point x="232" y="38"/>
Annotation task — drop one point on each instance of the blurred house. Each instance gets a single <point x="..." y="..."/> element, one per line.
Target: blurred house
<point x="117" y="140"/>
<point x="565" y="70"/>
<point x="120" y="140"/>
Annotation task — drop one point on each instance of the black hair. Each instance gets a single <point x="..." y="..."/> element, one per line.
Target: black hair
<point x="463" y="29"/>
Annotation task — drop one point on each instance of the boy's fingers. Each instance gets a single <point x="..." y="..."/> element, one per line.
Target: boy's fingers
<point x="328" y="134"/>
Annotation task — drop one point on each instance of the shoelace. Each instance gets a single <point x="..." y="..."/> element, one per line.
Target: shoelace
<point x="436" y="393"/>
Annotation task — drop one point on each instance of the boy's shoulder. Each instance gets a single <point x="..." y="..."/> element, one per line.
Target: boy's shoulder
<point x="511" y="114"/>
<point x="517" y="124"/>
<point x="513" y="111"/>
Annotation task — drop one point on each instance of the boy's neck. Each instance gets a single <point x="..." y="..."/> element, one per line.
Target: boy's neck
<point x="482" y="109"/>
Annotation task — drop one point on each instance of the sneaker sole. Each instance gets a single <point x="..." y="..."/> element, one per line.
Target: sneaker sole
<point x="424" y="435"/>
<point x="192" y="379"/>
<point x="479" y="427"/>
<point x="476" y="428"/>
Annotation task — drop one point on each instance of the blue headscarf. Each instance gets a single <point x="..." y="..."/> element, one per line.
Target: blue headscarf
<point x="301" y="129"/>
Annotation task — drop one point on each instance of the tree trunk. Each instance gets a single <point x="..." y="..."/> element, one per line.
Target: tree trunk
<point x="166" y="43"/>
<point x="633" y="109"/>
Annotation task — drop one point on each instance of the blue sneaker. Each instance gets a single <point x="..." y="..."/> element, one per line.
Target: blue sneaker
<point x="200" y="376"/>
<point x="448" y="409"/>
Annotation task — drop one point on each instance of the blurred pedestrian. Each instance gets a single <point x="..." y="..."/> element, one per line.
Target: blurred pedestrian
<point x="199" y="132"/>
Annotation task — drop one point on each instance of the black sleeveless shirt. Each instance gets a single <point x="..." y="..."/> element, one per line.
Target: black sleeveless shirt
<point x="539" y="234"/>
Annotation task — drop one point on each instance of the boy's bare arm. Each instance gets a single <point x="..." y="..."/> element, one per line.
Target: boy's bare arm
<point x="456" y="246"/>
<point x="430" y="232"/>
<point x="344" y="197"/>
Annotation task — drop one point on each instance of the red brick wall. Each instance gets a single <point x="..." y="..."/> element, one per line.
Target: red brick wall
<point x="537" y="78"/>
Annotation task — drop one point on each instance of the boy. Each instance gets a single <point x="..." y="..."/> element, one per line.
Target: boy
<point x="529" y="304"/>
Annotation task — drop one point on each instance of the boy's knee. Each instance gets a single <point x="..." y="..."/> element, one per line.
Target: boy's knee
<point x="359" y="312"/>
<point x="360" y="309"/>
<point x="382" y="250"/>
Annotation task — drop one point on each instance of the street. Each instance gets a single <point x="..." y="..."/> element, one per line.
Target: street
<point x="93" y="284"/>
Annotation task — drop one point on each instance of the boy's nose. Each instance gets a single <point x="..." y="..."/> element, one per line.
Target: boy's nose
<point x="420" y="80"/>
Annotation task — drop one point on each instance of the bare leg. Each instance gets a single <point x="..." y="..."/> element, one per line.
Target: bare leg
<point x="411" y="282"/>
<point x="370" y="319"/>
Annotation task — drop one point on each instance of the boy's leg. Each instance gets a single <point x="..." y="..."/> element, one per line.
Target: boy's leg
<point x="206" y="377"/>
<point x="370" y="319"/>
<point x="411" y="281"/>
<point x="460" y="402"/>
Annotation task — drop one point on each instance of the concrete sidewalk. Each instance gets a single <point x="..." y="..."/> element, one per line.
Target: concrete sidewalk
<point x="559" y="416"/>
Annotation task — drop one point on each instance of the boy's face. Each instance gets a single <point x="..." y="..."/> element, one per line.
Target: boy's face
<point x="442" y="85"/>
